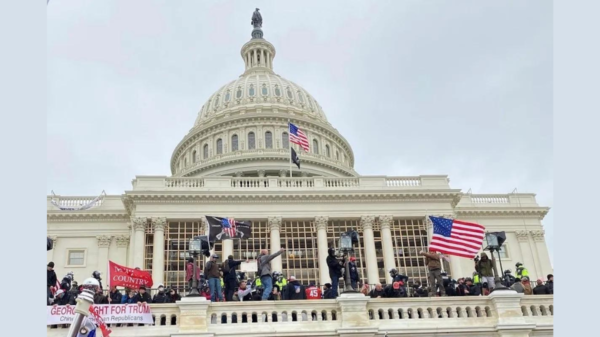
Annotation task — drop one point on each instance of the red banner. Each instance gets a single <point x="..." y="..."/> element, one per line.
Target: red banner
<point x="120" y="276"/>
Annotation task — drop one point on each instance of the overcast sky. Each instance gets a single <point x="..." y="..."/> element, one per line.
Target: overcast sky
<point x="462" y="88"/>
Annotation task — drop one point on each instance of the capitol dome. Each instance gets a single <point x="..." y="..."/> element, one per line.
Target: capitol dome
<point x="242" y="129"/>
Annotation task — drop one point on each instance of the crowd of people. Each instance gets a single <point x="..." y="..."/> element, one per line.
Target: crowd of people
<point x="222" y="282"/>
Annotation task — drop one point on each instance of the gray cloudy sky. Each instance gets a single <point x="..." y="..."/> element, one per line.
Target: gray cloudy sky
<point x="462" y="88"/>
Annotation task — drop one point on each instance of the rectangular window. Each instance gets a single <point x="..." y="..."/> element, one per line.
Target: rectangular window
<point x="76" y="257"/>
<point x="504" y="252"/>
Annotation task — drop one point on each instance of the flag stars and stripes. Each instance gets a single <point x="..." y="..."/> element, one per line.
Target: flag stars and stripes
<point x="455" y="237"/>
<point x="298" y="137"/>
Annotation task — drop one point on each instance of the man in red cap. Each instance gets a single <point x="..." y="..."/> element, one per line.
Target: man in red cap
<point x="353" y="273"/>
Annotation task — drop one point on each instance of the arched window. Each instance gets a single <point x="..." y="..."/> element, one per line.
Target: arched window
<point x="327" y="151"/>
<point x="315" y="146"/>
<point x="265" y="91"/>
<point x="300" y="97"/>
<point x="251" y="141"/>
<point x="251" y="90"/>
<point x="228" y="96"/>
<point x="205" y="151"/>
<point x="285" y="140"/>
<point x="217" y="102"/>
<point x="289" y="93"/>
<point x="219" y="146"/>
<point x="194" y="158"/>
<point x="268" y="140"/>
<point x="238" y="94"/>
<point x="234" y="143"/>
<point x="277" y="91"/>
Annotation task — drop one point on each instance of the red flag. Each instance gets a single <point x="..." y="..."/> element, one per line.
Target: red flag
<point x="128" y="277"/>
<point x="100" y="322"/>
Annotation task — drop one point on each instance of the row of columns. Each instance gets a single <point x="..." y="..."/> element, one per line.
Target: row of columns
<point x="251" y="58"/>
<point x="139" y="226"/>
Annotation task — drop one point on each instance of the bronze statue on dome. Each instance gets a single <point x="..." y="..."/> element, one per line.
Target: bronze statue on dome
<point x="256" y="19"/>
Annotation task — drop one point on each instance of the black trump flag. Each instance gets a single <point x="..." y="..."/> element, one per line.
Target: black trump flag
<point x="227" y="228"/>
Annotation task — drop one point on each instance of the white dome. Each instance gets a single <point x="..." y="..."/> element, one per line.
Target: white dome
<point x="243" y="127"/>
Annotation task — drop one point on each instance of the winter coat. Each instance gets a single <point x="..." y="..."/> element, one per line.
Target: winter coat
<point x="485" y="266"/>
<point x="328" y="294"/>
<point x="432" y="260"/>
<point x="63" y="300"/>
<point x="244" y="294"/>
<point x="474" y="290"/>
<point x="145" y="297"/>
<point x="335" y="268"/>
<point x="100" y="299"/>
<point x="264" y="263"/>
<point x="294" y="291"/>
<point x="51" y="277"/>
<point x="127" y="300"/>
<point x="211" y="270"/>
<point x="231" y="276"/>
<point x="518" y="287"/>
<point x="161" y="298"/>
<point x="550" y="285"/>
<point x="541" y="290"/>
<point x="189" y="271"/>
<point x="65" y="284"/>
<point x="374" y="293"/>
<point x="527" y="289"/>
<point x="115" y="297"/>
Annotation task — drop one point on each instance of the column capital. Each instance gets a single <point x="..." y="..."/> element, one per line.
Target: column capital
<point x="386" y="221"/>
<point x="159" y="223"/>
<point x="122" y="241"/>
<point x="522" y="235"/>
<point x="537" y="235"/>
<point x="274" y="222"/>
<point x="366" y="221"/>
<point x="321" y="222"/>
<point x="104" y="241"/>
<point x="139" y="224"/>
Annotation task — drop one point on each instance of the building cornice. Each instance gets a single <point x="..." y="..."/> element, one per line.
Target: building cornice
<point x="67" y="216"/>
<point x="535" y="212"/>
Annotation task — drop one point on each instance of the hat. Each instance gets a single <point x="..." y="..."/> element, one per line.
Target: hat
<point x="328" y="285"/>
<point x="142" y="287"/>
<point x="51" y="264"/>
<point x="215" y="256"/>
<point x="60" y="291"/>
<point x="352" y="258"/>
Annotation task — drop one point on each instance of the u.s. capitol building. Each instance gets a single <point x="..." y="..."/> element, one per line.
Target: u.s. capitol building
<point x="235" y="162"/>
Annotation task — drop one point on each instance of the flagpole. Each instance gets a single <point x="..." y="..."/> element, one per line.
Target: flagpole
<point x="290" y="144"/>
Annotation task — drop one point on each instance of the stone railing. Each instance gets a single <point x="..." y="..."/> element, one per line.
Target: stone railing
<point x="490" y="199"/>
<point x="500" y="314"/>
<point x="161" y="183"/>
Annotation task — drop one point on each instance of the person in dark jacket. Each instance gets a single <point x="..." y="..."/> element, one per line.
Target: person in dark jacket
<point x="396" y="290"/>
<point x="65" y="284"/>
<point x="211" y="271"/>
<point x="377" y="292"/>
<point x="230" y="277"/>
<point x="335" y="270"/>
<point x="485" y="268"/>
<point x="550" y="283"/>
<point x="354" y="277"/>
<point x="328" y="292"/>
<point x="114" y="297"/>
<point x="96" y="275"/>
<point x="161" y="296"/>
<point x="73" y="293"/>
<point x="142" y="296"/>
<point x="174" y="296"/>
<point x="294" y="290"/>
<point x="472" y="289"/>
<point x="517" y="286"/>
<point x="51" y="278"/>
<point x="540" y="288"/>
<point x="128" y="297"/>
<point x="99" y="297"/>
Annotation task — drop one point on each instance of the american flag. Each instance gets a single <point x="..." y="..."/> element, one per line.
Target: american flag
<point x="229" y="227"/>
<point x="455" y="237"/>
<point x="298" y="137"/>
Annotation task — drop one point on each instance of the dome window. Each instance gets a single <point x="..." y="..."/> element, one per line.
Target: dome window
<point x="316" y="146"/>
<point x="251" y="141"/>
<point x="310" y="104"/>
<point x="277" y="91"/>
<point x="327" y="152"/>
<point x="289" y="93"/>
<point x="194" y="157"/>
<point x="268" y="140"/>
<point x="217" y="102"/>
<point x="228" y="96"/>
<point x="251" y="90"/>
<point x="300" y="97"/>
<point x="265" y="91"/>
<point x="219" y="146"/>
<point x="285" y="140"/>
<point x="234" y="143"/>
<point x="205" y="151"/>
<point x="238" y="94"/>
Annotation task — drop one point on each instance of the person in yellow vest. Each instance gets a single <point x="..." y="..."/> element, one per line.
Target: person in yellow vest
<point x="521" y="271"/>
<point x="280" y="281"/>
<point x="476" y="278"/>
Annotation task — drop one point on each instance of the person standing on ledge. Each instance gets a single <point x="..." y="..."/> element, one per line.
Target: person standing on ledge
<point x="432" y="260"/>
<point x="264" y="270"/>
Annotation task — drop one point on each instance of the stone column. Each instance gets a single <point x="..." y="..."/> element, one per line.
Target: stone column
<point x="387" y="245"/>
<point x="275" y="225"/>
<point x="507" y="305"/>
<point x="139" y="227"/>
<point x="544" y="264"/>
<point x="122" y="244"/>
<point x="227" y="248"/>
<point x="369" y="244"/>
<point x="321" y="223"/>
<point x="158" y="250"/>
<point x="103" y="245"/>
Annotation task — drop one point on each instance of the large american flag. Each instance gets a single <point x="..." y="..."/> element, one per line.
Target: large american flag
<point x="298" y="137"/>
<point x="229" y="226"/>
<point x="455" y="237"/>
